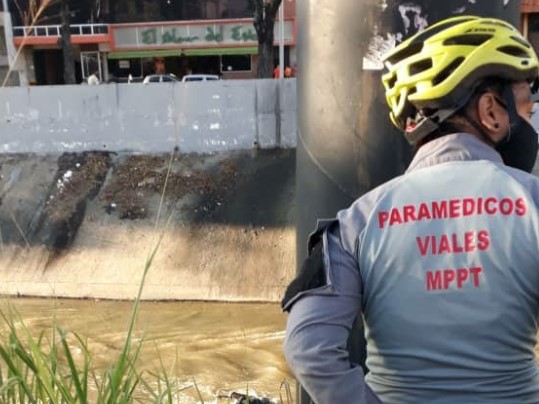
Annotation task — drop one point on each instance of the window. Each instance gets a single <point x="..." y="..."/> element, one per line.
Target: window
<point x="154" y="79"/>
<point x="236" y="63"/>
<point x="90" y="62"/>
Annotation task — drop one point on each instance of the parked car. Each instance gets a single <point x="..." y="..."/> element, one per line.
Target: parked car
<point x="199" y="77"/>
<point x="160" y="78"/>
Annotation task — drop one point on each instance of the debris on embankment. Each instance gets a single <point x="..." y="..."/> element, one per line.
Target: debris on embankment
<point x="224" y="217"/>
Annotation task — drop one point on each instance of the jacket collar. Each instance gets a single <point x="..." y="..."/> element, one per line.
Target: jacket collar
<point x="455" y="147"/>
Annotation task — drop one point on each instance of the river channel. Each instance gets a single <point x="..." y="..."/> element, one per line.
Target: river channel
<point x="223" y="348"/>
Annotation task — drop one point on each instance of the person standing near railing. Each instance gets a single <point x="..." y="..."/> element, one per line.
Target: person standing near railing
<point x="93" y="79"/>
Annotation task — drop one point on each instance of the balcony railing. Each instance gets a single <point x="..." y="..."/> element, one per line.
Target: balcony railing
<point x="56" y="30"/>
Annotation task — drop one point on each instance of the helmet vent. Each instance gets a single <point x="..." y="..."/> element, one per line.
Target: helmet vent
<point x="521" y="41"/>
<point x="437" y="28"/>
<point x="514" y="51"/>
<point x="420" y="66"/>
<point x="411" y="50"/>
<point x="391" y="81"/>
<point x="470" y="39"/>
<point x="498" y="24"/>
<point x="445" y="73"/>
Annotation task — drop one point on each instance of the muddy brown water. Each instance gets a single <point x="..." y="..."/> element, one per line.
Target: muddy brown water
<point x="221" y="347"/>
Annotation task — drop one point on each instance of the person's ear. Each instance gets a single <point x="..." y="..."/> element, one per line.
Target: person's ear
<point x="492" y="117"/>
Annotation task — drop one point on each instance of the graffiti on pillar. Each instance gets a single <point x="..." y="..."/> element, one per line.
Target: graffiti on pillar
<point x="413" y="19"/>
<point x="397" y="20"/>
<point x="378" y="47"/>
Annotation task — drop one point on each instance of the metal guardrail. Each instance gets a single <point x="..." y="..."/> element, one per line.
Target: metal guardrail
<point x="56" y="30"/>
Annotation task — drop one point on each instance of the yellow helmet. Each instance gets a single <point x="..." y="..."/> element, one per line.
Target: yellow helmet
<point x="438" y="69"/>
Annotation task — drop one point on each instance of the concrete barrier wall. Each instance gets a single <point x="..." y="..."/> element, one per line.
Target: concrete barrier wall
<point x="196" y="117"/>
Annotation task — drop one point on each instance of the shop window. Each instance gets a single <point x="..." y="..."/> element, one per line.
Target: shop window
<point x="533" y="30"/>
<point x="194" y="10"/>
<point x="90" y="62"/>
<point x="533" y="22"/>
<point x="212" y="9"/>
<point x="236" y="63"/>
<point x="237" y="9"/>
<point x="121" y="69"/>
<point x="216" y="9"/>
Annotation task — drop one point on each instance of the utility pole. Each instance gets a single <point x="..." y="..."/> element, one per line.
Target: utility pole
<point x="14" y="57"/>
<point x="280" y="84"/>
<point x="346" y="143"/>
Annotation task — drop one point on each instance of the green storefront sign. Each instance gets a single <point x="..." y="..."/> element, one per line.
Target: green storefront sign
<point x="153" y="36"/>
<point x="191" y="35"/>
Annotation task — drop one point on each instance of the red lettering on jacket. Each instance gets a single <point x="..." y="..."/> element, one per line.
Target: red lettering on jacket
<point x="476" y="271"/>
<point x="423" y="244"/>
<point x="439" y="209"/>
<point x="453" y="244"/>
<point x="457" y="248"/>
<point x="382" y="218"/>
<point x="452" y="209"/>
<point x="483" y="240"/>
<point x="424" y="212"/>
<point x="434" y="280"/>
<point x="506" y="206"/>
<point x="444" y="279"/>
<point x="409" y="213"/>
<point x="468" y="206"/>
<point x="462" y="276"/>
<point x="491" y="210"/>
<point x="521" y="207"/>
<point x="395" y="217"/>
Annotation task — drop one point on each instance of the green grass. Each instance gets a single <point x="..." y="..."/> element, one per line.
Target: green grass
<point x="56" y="366"/>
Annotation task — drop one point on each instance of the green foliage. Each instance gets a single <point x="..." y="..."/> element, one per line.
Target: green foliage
<point x="44" y="369"/>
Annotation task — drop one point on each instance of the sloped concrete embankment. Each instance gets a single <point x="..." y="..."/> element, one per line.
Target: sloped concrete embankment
<point x="82" y="225"/>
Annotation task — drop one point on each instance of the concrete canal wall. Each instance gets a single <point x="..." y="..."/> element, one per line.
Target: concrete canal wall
<point x="200" y="117"/>
<point x="80" y="220"/>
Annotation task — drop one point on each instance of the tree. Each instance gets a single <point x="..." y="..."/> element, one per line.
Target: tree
<point x="265" y="12"/>
<point x="65" y="40"/>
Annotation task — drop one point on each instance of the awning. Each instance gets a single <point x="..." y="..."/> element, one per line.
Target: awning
<point x="251" y="50"/>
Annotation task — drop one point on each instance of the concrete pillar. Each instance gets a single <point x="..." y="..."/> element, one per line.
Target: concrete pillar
<point x="104" y="67"/>
<point x="346" y="144"/>
<point x="16" y="59"/>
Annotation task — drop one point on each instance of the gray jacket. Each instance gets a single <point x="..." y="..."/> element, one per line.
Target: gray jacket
<point x="443" y="265"/>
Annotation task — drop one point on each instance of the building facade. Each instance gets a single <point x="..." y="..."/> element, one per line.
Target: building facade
<point x="129" y="39"/>
<point x="530" y="21"/>
<point x="133" y="38"/>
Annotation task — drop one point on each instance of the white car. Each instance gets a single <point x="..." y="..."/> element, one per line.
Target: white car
<point x="160" y="78"/>
<point x="199" y="77"/>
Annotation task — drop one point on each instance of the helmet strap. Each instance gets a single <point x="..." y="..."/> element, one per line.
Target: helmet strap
<point x="427" y="124"/>
<point x="511" y="108"/>
<point x="509" y="105"/>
